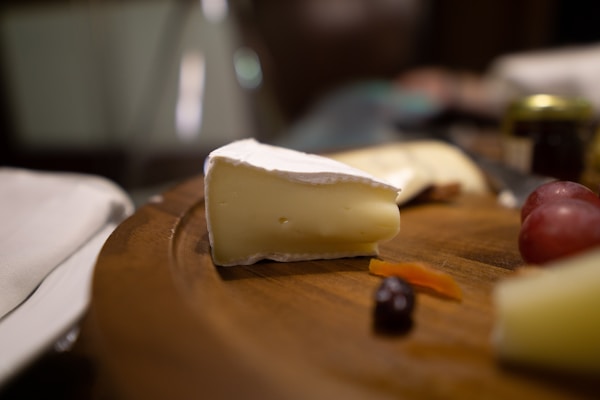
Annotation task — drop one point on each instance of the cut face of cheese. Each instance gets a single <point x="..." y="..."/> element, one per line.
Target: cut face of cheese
<point x="550" y="318"/>
<point x="265" y="202"/>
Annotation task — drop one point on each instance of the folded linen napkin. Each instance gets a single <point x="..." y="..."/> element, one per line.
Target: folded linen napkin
<point x="46" y="217"/>
<point x="53" y="225"/>
<point x="51" y="312"/>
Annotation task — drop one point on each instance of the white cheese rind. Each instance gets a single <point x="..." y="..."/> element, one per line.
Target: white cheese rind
<point x="291" y="164"/>
<point x="260" y="208"/>
<point x="550" y="318"/>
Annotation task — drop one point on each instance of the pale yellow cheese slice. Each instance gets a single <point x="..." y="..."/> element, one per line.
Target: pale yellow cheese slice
<point x="266" y="202"/>
<point x="551" y="317"/>
<point x="417" y="165"/>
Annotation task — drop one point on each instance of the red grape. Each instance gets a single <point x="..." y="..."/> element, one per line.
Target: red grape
<point x="557" y="190"/>
<point x="559" y="228"/>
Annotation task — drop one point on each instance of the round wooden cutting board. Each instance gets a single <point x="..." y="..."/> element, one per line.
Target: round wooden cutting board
<point x="164" y="322"/>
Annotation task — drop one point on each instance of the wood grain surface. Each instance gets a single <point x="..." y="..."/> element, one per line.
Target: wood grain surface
<point x="164" y="322"/>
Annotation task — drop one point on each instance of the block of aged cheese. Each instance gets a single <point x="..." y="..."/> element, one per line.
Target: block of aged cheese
<point x="550" y="318"/>
<point x="417" y="165"/>
<point x="267" y="202"/>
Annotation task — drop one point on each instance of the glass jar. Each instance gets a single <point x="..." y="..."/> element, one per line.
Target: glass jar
<point x="547" y="135"/>
<point x="591" y="174"/>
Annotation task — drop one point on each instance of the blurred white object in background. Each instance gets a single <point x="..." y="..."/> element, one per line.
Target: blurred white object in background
<point x="570" y="71"/>
<point x="192" y="81"/>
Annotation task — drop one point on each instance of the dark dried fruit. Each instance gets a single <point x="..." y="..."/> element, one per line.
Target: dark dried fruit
<point x="394" y="304"/>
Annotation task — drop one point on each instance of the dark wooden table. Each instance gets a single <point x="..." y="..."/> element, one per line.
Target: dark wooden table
<point x="164" y="322"/>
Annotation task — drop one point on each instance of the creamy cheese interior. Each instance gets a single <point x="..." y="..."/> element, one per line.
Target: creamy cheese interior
<point x="254" y="214"/>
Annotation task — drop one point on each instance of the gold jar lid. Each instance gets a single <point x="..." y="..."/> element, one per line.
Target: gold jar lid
<point x="546" y="106"/>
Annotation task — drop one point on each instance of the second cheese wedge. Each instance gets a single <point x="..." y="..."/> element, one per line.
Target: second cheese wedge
<point x="551" y="318"/>
<point x="266" y="202"/>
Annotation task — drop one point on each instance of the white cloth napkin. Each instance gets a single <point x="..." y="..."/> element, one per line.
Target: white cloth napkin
<point x="52" y="228"/>
<point x="45" y="218"/>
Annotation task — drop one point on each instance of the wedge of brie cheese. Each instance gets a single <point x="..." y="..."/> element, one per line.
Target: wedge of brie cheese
<point x="267" y="202"/>
<point x="550" y="318"/>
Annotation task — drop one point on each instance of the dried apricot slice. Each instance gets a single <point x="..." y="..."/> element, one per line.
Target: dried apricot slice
<point x="418" y="274"/>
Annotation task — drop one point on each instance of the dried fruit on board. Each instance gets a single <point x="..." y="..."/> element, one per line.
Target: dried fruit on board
<point x="420" y="275"/>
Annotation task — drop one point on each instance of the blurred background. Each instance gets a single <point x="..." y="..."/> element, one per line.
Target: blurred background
<point x="140" y="91"/>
